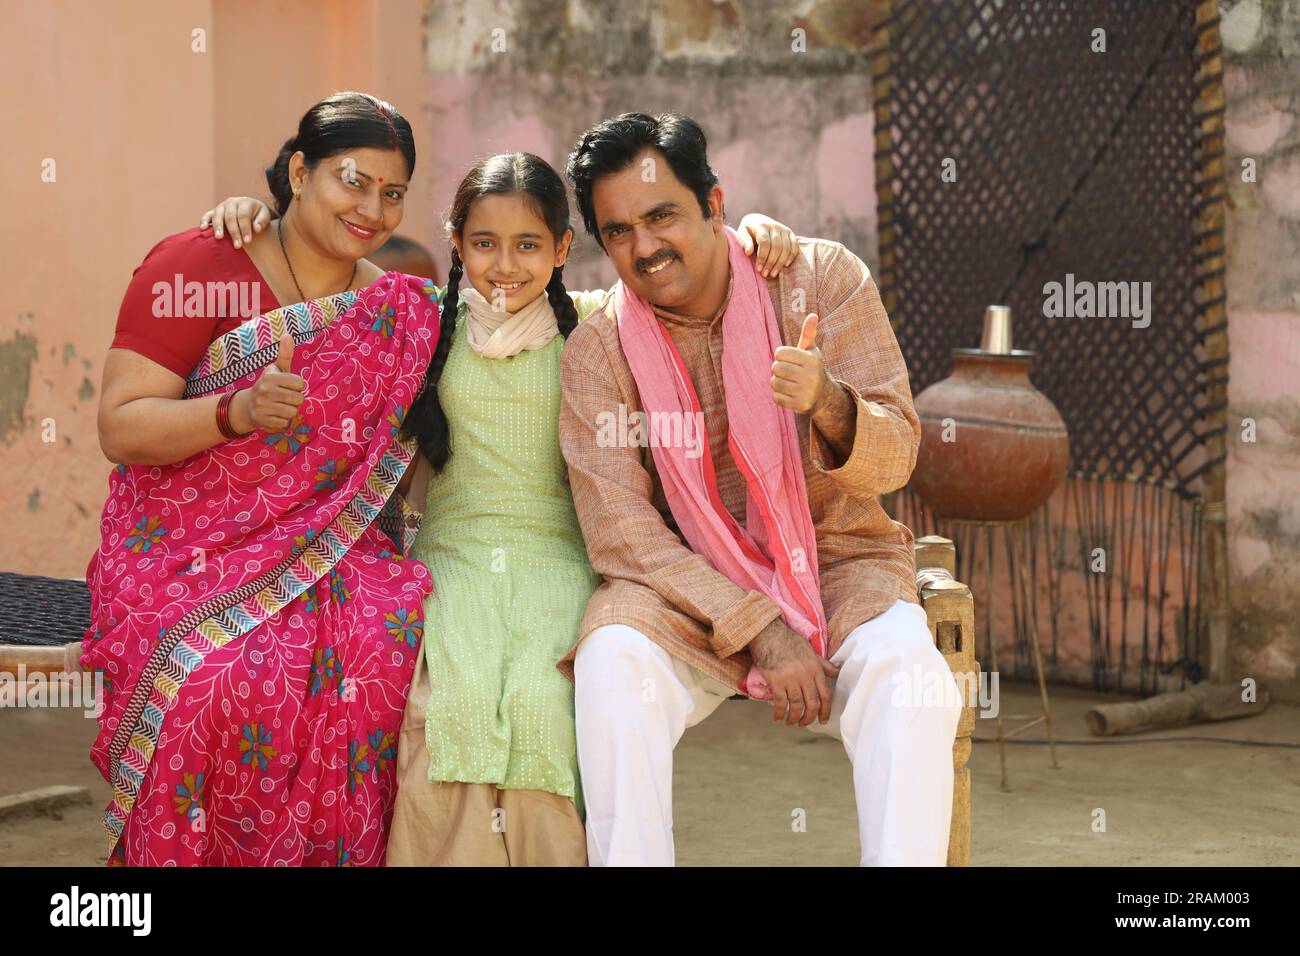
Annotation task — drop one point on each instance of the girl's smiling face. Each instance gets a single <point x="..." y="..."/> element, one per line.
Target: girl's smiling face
<point x="508" y="250"/>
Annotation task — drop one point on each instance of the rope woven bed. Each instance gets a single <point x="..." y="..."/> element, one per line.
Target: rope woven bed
<point x="38" y="611"/>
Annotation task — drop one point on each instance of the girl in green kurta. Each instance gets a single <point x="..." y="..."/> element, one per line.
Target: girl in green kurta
<point x="488" y="769"/>
<point x="487" y="762"/>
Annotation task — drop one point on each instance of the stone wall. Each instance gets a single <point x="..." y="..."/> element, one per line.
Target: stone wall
<point x="1261" y="43"/>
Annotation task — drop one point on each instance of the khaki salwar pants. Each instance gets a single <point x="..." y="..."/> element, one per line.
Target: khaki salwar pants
<point x="472" y="824"/>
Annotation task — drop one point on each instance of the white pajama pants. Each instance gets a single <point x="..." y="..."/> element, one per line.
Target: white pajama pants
<point x="634" y="701"/>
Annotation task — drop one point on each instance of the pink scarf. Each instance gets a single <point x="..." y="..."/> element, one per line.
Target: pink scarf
<point x="776" y="552"/>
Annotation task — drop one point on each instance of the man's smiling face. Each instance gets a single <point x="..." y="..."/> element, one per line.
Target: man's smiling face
<point x="661" y="243"/>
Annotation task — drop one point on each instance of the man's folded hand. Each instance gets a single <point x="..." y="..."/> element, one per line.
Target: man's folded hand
<point x="799" y="678"/>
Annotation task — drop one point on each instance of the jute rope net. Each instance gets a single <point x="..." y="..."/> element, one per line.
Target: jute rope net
<point x="1014" y="151"/>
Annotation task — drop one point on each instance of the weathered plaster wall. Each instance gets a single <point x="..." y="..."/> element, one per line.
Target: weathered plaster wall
<point x="1262" y="82"/>
<point x="787" y="113"/>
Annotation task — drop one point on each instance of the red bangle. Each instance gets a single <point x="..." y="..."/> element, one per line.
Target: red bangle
<point x="223" y="415"/>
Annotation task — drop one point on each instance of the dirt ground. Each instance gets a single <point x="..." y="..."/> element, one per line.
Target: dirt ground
<point x="739" y="778"/>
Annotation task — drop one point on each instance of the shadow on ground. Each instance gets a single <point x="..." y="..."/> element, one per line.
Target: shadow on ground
<point x="739" y="780"/>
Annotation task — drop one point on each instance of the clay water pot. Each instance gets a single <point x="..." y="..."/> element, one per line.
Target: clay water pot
<point x="1008" y="447"/>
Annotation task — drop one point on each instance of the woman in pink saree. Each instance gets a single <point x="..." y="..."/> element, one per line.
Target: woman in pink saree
<point x="253" y="612"/>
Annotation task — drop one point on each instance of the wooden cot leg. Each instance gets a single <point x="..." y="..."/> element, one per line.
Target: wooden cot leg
<point x="950" y="612"/>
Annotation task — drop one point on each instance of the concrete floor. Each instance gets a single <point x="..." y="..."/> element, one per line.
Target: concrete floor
<point x="739" y="777"/>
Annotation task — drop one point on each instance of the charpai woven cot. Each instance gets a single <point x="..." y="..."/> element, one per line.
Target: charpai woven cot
<point x="1027" y="143"/>
<point x="39" y="611"/>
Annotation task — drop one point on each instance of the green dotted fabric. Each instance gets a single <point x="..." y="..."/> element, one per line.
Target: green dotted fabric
<point x="511" y="577"/>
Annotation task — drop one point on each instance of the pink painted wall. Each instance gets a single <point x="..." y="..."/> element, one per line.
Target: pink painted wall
<point x="804" y="164"/>
<point x="789" y="123"/>
<point x="311" y="49"/>
<point x="146" y="133"/>
<point x="134" y="156"/>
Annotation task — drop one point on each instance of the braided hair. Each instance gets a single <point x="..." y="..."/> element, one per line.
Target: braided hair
<point x="536" y="181"/>
<point x="566" y="315"/>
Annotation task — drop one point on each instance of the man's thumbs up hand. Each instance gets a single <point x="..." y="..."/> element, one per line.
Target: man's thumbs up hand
<point x="808" y="334"/>
<point x="799" y="379"/>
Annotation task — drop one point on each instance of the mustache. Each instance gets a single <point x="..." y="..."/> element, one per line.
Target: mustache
<point x="664" y="255"/>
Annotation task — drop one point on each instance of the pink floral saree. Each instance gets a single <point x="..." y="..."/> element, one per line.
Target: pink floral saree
<point x="252" y="609"/>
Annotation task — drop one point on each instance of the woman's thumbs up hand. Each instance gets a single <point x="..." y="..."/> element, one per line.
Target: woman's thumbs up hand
<point x="272" y="403"/>
<point x="284" y="358"/>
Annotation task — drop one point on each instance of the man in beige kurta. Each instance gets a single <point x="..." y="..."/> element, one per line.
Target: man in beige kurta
<point x="667" y="637"/>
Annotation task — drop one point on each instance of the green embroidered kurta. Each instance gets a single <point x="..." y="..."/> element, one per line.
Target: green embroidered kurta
<point x="511" y="576"/>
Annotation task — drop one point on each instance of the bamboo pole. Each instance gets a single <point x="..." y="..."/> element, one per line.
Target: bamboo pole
<point x="35" y="659"/>
<point x="1210" y="256"/>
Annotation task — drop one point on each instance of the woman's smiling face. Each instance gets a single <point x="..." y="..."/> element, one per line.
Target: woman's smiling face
<point x="508" y="250"/>
<point x="349" y="205"/>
